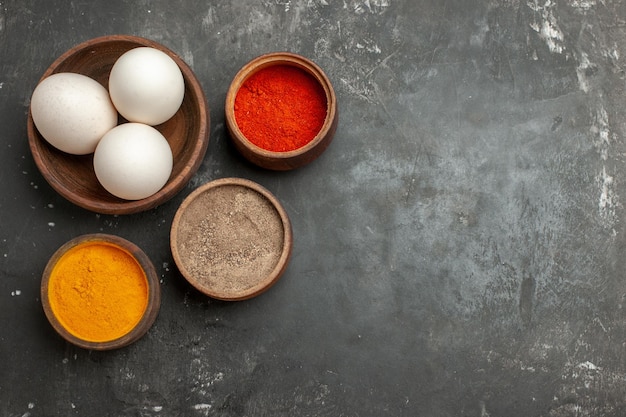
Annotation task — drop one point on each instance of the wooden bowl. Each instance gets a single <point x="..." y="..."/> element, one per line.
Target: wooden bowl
<point x="73" y="176"/>
<point x="60" y="284"/>
<point x="231" y="239"/>
<point x="273" y="160"/>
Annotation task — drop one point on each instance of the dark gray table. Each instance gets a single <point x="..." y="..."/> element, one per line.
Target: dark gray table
<point x="459" y="248"/>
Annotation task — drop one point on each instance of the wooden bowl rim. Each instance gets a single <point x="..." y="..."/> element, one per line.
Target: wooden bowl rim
<point x="281" y="58"/>
<point x="174" y="184"/>
<point x="282" y="262"/>
<point x="154" y="291"/>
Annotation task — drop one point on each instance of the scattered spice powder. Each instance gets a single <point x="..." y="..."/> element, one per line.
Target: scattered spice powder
<point x="98" y="291"/>
<point x="231" y="237"/>
<point x="280" y="108"/>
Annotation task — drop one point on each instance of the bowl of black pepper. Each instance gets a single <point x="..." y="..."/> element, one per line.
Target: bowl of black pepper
<point x="231" y="239"/>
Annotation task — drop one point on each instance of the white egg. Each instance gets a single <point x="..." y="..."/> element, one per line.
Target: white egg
<point x="133" y="161"/>
<point x="72" y="112"/>
<point x="146" y="86"/>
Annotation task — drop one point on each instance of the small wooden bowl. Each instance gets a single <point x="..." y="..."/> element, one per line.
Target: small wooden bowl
<point x="231" y="239"/>
<point x="73" y="176"/>
<point x="282" y="161"/>
<point x="121" y="248"/>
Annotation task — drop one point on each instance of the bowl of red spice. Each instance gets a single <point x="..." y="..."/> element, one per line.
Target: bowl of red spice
<point x="281" y="111"/>
<point x="231" y="239"/>
<point x="100" y="292"/>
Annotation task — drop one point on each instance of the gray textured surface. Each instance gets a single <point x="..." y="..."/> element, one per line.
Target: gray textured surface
<point x="458" y="248"/>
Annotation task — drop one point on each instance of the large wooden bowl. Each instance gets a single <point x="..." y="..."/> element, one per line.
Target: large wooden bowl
<point x="73" y="176"/>
<point x="282" y="161"/>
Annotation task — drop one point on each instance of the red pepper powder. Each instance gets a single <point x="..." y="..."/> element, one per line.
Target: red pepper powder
<point x="280" y="108"/>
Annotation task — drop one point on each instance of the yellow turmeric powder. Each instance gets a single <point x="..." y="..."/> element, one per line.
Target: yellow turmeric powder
<point x="98" y="291"/>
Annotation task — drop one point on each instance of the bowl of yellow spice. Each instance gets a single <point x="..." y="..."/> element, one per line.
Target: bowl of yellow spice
<point x="100" y="292"/>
